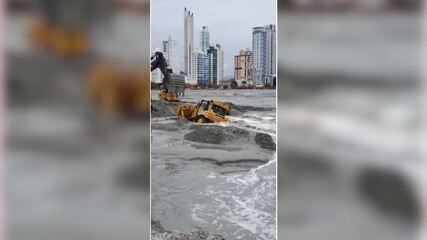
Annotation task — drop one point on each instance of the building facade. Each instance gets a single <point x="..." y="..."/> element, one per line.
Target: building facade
<point x="204" y="39"/>
<point x="188" y="41"/>
<point x="259" y="51"/>
<point x="216" y="64"/>
<point x="220" y="63"/>
<point x="169" y="49"/>
<point x="213" y="65"/>
<point x="200" y="66"/>
<point x="270" y="38"/>
<point x="156" y="76"/>
<point x="243" y="67"/>
<point x="264" y="54"/>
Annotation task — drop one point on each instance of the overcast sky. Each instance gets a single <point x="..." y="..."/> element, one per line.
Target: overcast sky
<point x="230" y="23"/>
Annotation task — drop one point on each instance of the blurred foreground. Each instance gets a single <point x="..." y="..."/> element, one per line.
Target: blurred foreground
<point x="350" y="164"/>
<point x="77" y="161"/>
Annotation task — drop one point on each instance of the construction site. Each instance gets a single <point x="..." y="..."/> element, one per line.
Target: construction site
<point x="213" y="150"/>
<point x="215" y="176"/>
<point x="77" y="159"/>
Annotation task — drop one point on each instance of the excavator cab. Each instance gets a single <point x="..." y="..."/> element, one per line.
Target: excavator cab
<point x="205" y="111"/>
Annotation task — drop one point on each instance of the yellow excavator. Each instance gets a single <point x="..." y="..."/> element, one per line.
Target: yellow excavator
<point x="62" y="26"/>
<point x="65" y="28"/>
<point x="205" y="111"/>
<point x="173" y="84"/>
<point x="118" y="89"/>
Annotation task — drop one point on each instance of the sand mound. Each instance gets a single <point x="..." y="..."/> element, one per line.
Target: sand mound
<point x="176" y="125"/>
<point x="265" y="141"/>
<point x="159" y="233"/>
<point x="390" y="192"/>
<point x="160" y="108"/>
<point x="226" y="135"/>
<point x="215" y="134"/>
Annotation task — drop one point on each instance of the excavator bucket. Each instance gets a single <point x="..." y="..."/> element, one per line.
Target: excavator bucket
<point x="168" y="96"/>
<point x="175" y="86"/>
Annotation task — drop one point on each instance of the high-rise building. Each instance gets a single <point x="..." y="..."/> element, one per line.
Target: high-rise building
<point x="200" y="66"/>
<point x="243" y="67"/>
<point x="169" y="49"/>
<point x="220" y="64"/>
<point x="204" y="39"/>
<point x="216" y="64"/>
<point x="271" y="49"/>
<point x="259" y="52"/>
<point x="188" y="41"/>
<point x="156" y="76"/>
<point x="213" y="65"/>
<point x="264" y="53"/>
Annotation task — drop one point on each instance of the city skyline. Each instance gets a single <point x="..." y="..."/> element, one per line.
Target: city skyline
<point x="231" y="37"/>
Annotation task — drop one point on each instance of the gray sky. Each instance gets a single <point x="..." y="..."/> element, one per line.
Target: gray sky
<point x="230" y="23"/>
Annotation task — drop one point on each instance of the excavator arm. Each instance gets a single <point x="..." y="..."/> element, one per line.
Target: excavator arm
<point x="159" y="61"/>
<point x="173" y="84"/>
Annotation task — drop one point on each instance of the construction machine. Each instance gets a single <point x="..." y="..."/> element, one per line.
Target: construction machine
<point x="88" y="38"/>
<point x="119" y="89"/>
<point x="205" y="111"/>
<point x="173" y="84"/>
<point x="62" y="26"/>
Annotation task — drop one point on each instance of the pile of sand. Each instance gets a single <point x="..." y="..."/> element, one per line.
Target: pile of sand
<point x="160" y="108"/>
<point x="265" y="141"/>
<point x="159" y="233"/>
<point x="214" y="134"/>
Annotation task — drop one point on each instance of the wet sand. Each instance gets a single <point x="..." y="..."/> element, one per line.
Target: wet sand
<point x="216" y="177"/>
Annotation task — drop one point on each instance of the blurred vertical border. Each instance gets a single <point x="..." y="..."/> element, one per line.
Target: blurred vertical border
<point x="77" y="85"/>
<point x="350" y="117"/>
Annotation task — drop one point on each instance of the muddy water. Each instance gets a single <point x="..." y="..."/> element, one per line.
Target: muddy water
<point x="227" y="189"/>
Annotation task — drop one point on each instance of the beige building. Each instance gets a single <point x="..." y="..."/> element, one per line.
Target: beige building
<point x="243" y="67"/>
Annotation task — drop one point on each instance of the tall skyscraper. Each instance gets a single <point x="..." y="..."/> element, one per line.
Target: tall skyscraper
<point x="213" y="65"/>
<point x="270" y="38"/>
<point x="204" y="39"/>
<point x="169" y="49"/>
<point x="264" y="53"/>
<point x="259" y="52"/>
<point x="200" y="65"/>
<point x="220" y="63"/>
<point x="216" y="64"/>
<point x="188" y="41"/>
